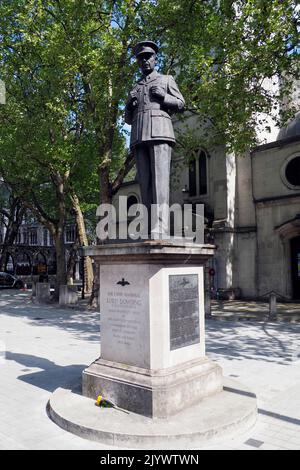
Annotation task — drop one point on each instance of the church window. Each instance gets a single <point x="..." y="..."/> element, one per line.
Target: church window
<point x="131" y="201"/>
<point x="33" y="237"/>
<point x="292" y="171"/>
<point x="45" y="237"/>
<point x="70" y="234"/>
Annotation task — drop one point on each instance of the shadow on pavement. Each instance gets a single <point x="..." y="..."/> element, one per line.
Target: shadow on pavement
<point x="269" y="342"/>
<point x="234" y="340"/>
<point x="85" y="324"/>
<point x="51" y="376"/>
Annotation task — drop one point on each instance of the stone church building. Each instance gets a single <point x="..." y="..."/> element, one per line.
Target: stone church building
<point x="252" y="210"/>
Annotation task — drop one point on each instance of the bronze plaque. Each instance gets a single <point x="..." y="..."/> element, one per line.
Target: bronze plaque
<point x="184" y="310"/>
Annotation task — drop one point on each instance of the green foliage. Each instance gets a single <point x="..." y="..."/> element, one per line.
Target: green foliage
<point x="226" y="54"/>
<point x="68" y="66"/>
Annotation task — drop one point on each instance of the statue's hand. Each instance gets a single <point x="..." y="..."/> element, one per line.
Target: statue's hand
<point x="133" y="99"/>
<point x="158" y="92"/>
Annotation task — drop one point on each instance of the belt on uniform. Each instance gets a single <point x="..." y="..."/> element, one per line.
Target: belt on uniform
<point x="148" y="108"/>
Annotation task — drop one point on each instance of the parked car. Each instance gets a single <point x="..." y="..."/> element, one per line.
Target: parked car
<point x="8" y="280"/>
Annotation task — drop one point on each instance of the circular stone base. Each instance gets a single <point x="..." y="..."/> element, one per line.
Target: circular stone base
<point x="220" y="416"/>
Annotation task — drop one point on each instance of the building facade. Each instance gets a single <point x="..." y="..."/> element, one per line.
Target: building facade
<point x="252" y="212"/>
<point x="33" y="254"/>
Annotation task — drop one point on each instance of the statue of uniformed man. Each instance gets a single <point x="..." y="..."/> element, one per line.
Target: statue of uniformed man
<point x="151" y="103"/>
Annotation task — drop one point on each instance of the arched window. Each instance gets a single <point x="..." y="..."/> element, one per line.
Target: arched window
<point x="193" y="178"/>
<point x="198" y="185"/>
<point x="33" y="236"/>
<point x="9" y="265"/>
<point x="25" y="237"/>
<point x="23" y="264"/>
<point x="131" y="200"/>
<point x="70" y="234"/>
<point x="45" y="237"/>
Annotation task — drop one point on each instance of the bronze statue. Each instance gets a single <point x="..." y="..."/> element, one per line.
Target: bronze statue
<point x="151" y="103"/>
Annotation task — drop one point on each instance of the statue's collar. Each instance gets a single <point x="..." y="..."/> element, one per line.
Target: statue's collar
<point x="148" y="78"/>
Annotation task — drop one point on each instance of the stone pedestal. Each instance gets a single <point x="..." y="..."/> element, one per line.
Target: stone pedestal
<point x="42" y="292"/>
<point x="272" y="305"/>
<point x="68" y="295"/>
<point x="152" y="328"/>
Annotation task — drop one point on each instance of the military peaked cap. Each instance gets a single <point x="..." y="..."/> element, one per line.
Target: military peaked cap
<point x="144" y="47"/>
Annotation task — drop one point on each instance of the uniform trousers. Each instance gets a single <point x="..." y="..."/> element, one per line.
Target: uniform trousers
<point x="153" y="161"/>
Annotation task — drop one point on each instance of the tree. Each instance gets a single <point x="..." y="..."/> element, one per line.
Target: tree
<point x="67" y="73"/>
<point x="226" y="53"/>
<point x="68" y="66"/>
<point x="12" y="212"/>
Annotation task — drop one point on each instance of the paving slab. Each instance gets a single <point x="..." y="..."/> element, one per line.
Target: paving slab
<point x="40" y="355"/>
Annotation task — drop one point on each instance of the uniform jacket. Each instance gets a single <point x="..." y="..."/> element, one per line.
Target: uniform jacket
<point x="151" y="118"/>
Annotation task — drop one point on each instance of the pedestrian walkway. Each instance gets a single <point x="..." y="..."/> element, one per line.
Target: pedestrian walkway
<point x="42" y="348"/>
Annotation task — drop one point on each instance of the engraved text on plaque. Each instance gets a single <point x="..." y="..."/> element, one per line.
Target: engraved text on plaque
<point x="184" y="310"/>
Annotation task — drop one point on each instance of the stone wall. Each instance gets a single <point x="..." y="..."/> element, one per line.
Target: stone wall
<point x="276" y="205"/>
<point x="268" y="166"/>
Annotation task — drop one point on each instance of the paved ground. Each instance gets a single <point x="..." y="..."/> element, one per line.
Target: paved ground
<point x="43" y="348"/>
<point x="258" y="311"/>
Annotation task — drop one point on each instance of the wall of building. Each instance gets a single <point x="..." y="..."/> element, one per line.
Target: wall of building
<point x="249" y="199"/>
<point x="274" y="264"/>
<point x="276" y="204"/>
<point x="224" y="259"/>
<point x="267" y="170"/>
<point x="246" y="264"/>
<point x="245" y="207"/>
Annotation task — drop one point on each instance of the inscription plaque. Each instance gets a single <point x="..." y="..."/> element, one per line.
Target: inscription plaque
<point x="123" y="316"/>
<point x="124" y="307"/>
<point x="184" y="310"/>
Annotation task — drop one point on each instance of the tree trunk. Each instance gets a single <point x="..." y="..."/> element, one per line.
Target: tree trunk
<point x="10" y="236"/>
<point x="83" y="241"/>
<point x="61" y="270"/>
<point x="3" y="259"/>
<point x="72" y="262"/>
<point x="105" y="198"/>
<point x="105" y="187"/>
<point x="14" y="216"/>
<point x="61" y="273"/>
<point x="94" y="298"/>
